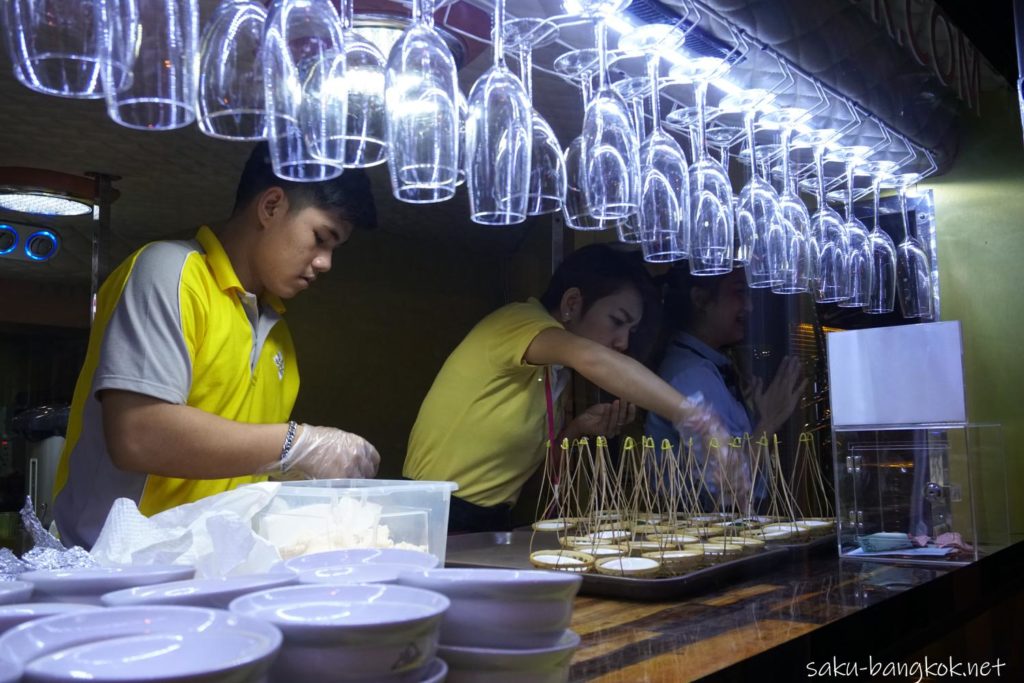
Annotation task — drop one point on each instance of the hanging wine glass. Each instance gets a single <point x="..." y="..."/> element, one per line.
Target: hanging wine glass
<point x="758" y="222"/>
<point x="303" y="79"/>
<point x="611" y="150"/>
<point x="61" y="48"/>
<point x="547" y="168"/>
<point x="883" y="250"/>
<point x="793" y="268"/>
<point x="859" y="263"/>
<point x="578" y="66"/>
<point x="683" y="120"/>
<point x="828" y="245"/>
<point x="160" y="93"/>
<point x="463" y="115"/>
<point x="712" y="227"/>
<point x="721" y="132"/>
<point x="499" y="140"/>
<point x="365" y="134"/>
<point x="664" y="214"/>
<point x="231" y="103"/>
<point x="634" y="90"/>
<point x="422" y="113"/>
<point x="913" y="265"/>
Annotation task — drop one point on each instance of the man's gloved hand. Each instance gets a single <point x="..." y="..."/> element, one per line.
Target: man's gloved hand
<point x="329" y="453"/>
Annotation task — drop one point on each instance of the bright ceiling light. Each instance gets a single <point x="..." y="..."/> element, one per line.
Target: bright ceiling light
<point x="41" y="203"/>
<point x="46" y="193"/>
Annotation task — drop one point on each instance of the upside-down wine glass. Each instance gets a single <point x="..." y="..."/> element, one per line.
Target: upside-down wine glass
<point x="499" y="140"/>
<point x="664" y="215"/>
<point x="611" y="150"/>
<point x="422" y="113"/>
<point x="547" y="164"/>
<point x="160" y="93"/>
<point x="683" y="120"/>
<point x="913" y="265"/>
<point x="792" y="269"/>
<point x="883" y="250"/>
<point x="578" y="66"/>
<point x="365" y="134"/>
<point x="712" y="226"/>
<point x="761" y="236"/>
<point x="61" y="48"/>
<point x="231" y="101"/>
<point x="828" y="245"/>
<point x="634" y="91"/>
<point x="859" y="263"/>
<point x="303" y="70"/>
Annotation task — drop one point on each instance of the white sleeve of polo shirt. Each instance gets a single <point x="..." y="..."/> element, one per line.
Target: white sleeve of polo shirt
<point x="144" y="349"/>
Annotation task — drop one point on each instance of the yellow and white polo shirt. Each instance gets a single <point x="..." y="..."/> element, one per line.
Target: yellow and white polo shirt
<point x="172" y="322"/>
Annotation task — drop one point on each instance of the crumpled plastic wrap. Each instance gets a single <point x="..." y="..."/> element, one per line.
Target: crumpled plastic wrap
<point x="48" y="552"/>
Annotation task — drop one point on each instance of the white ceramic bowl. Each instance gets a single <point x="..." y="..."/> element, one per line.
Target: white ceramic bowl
<point x="505" y="608"/>
<point x="152" y="643"/>
<point x="22" y="612"/>
<point x="436" y="671"/>
<point x="10" y="672"/>
<point x="342" y="558"/>
<point x="348" y="633"/>
<point x="488" y="665"/>
<point x="355" y="573"/>
<point x="14" y="591"/>
<point x="198" y="592"/>
<point x="86" y="584"/>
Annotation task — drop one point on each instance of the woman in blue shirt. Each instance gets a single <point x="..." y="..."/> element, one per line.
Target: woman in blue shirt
<point x="705" y="317"/>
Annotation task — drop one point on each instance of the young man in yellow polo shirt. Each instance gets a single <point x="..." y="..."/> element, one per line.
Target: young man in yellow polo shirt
<point x="190" y="375"/>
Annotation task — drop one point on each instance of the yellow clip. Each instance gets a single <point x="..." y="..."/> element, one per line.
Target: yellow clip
<point x="628" y="444"/>
<point x="805" y="437"/>
<point x="666" y="445"/>
<point x="763" y="441"/>
<point x="713" y="443"/>
<point x="601" y="441"/>
<point x="648" y="442"/>
<point x="583" y="441"/>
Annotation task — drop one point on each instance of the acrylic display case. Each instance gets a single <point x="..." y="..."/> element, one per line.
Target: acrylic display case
<point x="916" y="482"/>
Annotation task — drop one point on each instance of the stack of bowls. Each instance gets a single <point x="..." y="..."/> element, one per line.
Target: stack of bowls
<point x="504" y="625"/>
<point x="355" y="632"/>
<point x="152" y="643"/>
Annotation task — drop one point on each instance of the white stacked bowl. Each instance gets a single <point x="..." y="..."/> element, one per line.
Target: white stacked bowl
<point x="493" y="665"/>
<point x="216" y="593"/>
<point x="504" y="624"/>
<point x="344" y="633"/>
<point x="85" y="585"/>
<point x="152" y="643"/>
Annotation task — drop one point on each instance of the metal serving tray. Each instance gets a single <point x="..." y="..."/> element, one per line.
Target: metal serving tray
<point x="511" y="549"/>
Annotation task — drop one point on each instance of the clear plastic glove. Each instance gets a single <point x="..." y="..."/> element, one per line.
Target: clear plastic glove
<point x="329" y="453"/>
<point x="728" y="470"/>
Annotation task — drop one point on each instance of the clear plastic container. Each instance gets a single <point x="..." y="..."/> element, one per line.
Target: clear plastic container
<point x="328" y="514"/>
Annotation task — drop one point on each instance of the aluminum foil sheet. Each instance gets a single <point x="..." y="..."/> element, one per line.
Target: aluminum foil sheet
<point x="10" y="565"/>
<point x="48" y="552"/>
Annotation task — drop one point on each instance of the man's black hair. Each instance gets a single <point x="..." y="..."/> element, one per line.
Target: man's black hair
<point x="349" y="194"/>
<point x="600" y="270"/>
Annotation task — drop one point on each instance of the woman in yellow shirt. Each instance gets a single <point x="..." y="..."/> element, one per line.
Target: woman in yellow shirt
<point x="485" y="420"/>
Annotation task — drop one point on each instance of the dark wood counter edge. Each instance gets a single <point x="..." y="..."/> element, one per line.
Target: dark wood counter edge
<point x="902" y="624"/>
